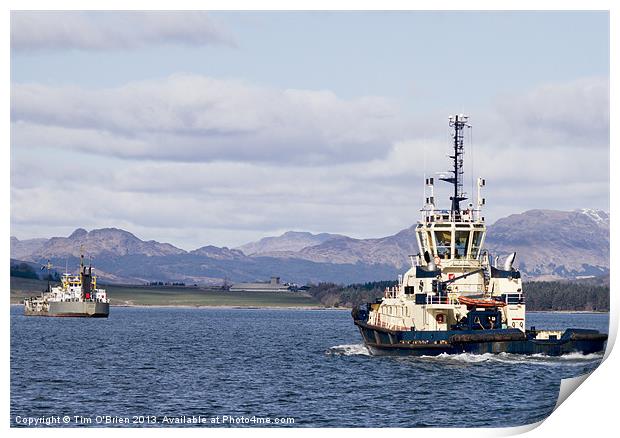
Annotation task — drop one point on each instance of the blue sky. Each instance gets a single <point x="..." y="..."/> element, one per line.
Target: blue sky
<point x="403" y="55"/>
<point x="261" y="122"/>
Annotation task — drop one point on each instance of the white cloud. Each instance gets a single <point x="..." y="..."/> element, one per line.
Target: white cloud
<point x="567" y="114"/>
<point x="199" y="161"/>
<point x="105" y="30"/>
<point x="224" y="202"/>
<point x="196" y="118"/>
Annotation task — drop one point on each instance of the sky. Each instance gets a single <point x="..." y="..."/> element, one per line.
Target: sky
<point x="219" y="128"/>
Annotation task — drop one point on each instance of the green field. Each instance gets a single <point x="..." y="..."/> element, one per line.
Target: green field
<point x="176" y="296"/>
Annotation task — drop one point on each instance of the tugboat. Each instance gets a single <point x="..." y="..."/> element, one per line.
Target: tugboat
<point x="77" y="296"/>
<point x="454" y="299"/>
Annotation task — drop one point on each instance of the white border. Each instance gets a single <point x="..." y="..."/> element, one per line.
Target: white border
<point x="591" y="409"/>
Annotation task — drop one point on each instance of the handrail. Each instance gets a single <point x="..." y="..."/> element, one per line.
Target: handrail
<point x="437" y="299"/>
<point x="391" y="292"/>
<point x="516" y="298"/>
<point x="462" y="261"/>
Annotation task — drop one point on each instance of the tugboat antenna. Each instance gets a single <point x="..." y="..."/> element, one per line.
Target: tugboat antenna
<point x="458" y="122"/>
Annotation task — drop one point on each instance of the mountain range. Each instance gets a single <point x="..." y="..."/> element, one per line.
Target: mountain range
<point x="550" y="244"/>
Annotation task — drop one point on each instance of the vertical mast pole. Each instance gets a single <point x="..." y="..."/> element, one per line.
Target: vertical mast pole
<point x="458" y="122"/>
<point x="455" y="202"/>
<point x="82" y="270"/>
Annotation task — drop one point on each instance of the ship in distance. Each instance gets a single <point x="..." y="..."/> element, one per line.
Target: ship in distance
<point x="456" y="298"/>
<point x="77" y="296"/>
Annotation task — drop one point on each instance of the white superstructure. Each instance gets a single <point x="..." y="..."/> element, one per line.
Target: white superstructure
<point x="452" y="274"/>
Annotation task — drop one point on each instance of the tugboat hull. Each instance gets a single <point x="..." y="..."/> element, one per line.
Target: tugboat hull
<point x="431" y="343"/>
<point x="83" y="309"/>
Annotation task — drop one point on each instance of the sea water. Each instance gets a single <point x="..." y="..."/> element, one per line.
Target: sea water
<point x="257" y="367"/>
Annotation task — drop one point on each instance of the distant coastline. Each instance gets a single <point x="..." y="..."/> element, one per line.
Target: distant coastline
<point x="189" y="297"/>
<point x="542" y="297"/>
<point x="210" y="306"/>
<point x="343" y="309"/>
<point x="568" y="311"/>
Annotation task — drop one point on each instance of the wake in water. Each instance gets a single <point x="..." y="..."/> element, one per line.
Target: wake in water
<point x="536" y="359"/>
<point x="348" y="350"/>
<point x="580" y="356"/>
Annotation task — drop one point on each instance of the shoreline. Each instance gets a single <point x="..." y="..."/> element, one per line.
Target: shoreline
<point x="567" y="311"/>
<point x="225" y="306"/>
<point x="228" y="307"/>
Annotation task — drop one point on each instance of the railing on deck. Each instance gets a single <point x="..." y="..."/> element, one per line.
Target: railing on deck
<point x="464" y="262"/>
<point x="513" y="298"/>
<point x="391" y="292"/>
<point x="435" y="299"/>
<point x="438" y="299"/>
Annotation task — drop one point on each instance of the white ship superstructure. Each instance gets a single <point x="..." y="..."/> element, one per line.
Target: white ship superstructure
<point x="452" y="273"/>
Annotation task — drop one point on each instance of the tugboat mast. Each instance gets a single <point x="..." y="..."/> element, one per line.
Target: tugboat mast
<point x="458" y="122"/>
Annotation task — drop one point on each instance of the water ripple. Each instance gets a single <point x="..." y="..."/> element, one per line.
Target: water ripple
<point x="308" y="365"/>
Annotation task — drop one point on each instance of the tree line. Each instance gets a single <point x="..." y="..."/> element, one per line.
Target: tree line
<point x="539" y="295"/>
<point x="566" y="295"/>
<point x="24" y="270"/>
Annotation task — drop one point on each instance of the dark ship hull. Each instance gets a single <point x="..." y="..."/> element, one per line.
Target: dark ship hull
<point x="380" y="340"/>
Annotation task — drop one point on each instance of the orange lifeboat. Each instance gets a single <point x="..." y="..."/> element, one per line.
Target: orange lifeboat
<point x="474" y="302"/>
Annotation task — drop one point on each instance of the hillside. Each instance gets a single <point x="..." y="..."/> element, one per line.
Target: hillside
<point x="550" y="245"/>
<point x="554" y="244"/>
<point x="106" y="242"/>
<point x="290" y="241"/>
<point x="22" y="249"/>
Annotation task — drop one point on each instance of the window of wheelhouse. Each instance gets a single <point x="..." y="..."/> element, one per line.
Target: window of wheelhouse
<point x="443" y="239"/>
<point x="461" y="244"/>
<point x="475" y="243"/>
